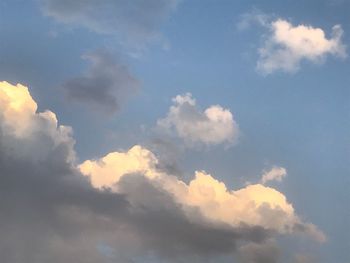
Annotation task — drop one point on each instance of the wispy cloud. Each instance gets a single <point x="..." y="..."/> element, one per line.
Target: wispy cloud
<point x="134" y="22"/>
<point x="106" y="85"/>
<point x="275" y="174"/>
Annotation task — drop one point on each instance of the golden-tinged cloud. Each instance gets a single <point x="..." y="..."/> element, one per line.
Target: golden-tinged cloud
<point x="150" y="211"/>
<point x="253" y="205"/>
<point x="108" y="170"/>
<point x="17" y="107"/>
<point x="19" y="119"/>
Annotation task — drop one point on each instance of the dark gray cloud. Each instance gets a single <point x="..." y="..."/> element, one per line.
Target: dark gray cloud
<point x="267" y="252"/>
<point x="106" y="85"/>
<point x="132" y="21"/>
<point x="168" y="153"/>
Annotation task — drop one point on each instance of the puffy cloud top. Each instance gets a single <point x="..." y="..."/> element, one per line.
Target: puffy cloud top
<point x="215" y="125"/>
<point x="108" y="170"/>
<point x="286" y="46"/>
<point x="253" y="205"/>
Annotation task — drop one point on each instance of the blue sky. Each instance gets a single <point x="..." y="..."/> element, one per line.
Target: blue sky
<point x="298" y="119"/>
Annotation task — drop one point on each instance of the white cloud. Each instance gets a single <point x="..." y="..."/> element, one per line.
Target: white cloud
<point x="253" y="205"/>
<point x="275" y="174"/>
<point x="286" y="46"/>
<point x="215" y="125"/>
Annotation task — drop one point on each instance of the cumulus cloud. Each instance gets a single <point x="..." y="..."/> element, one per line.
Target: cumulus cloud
<point x="254" y="206"/>
<point x="275" y="174"/>
<point x="286" y="46"/>
<point x="215" y="125"/>
<point x="106" y="85"/>
<point x="119" y="208"/>
<point x="50" y="211"/>
<point x="46" y="204"/>
<point x="132" y="21"/>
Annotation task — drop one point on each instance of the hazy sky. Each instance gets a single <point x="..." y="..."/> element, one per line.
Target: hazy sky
<point x="174" y="131"/>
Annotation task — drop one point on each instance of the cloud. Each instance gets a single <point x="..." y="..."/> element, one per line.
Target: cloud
<point x="132" y="21"/>
<point x="46" y="204"/>
<point x="215" y="125"/>
<point x="50" y="211"/>
<point x="275" y="174"/>
<point x="259" y="253"/>
<point x="253" y="206"/>
<point x="255" y="17"/>
<point x="56" y="211"/>
<point x="106" y="85"/>
<point x="286" y="46"/>
<point x="304" y="258"/>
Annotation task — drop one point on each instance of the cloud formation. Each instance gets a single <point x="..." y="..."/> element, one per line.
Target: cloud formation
<point x="119" y="208"/>
<point x="254" y="206"/>
<point x="51" y="213"/>
<point x="106" y="85"/>
<point x="215" y="125"/>
<point x="286" y="46"/>
<point x="132" y="21"/>
<point x="259" y="253"/>
<point x="275" y="174"/>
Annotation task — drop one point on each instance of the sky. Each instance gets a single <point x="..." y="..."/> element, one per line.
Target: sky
<point x="174" y="131"/>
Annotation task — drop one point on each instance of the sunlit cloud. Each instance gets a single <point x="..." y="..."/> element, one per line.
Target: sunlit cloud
<point x="253" y="205"/>
<point x="134" y="23"/>
<point x="215" y="125"/>
<point x="286" y="46"/>
<point x="122" y="200"/>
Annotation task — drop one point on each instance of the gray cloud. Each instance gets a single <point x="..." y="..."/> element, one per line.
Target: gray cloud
<point x="163" y="225"/>
<point x="48" y="209"/>
<point x="106" y="85"/>
<point x="267" y="252"/>
<point x="51" y="213"/>
<point x="132" y="21"/>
